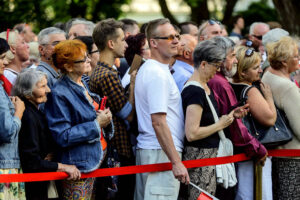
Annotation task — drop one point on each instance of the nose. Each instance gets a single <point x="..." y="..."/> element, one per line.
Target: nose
<point x="260" y="70"/>
<point x="48" y="90"/>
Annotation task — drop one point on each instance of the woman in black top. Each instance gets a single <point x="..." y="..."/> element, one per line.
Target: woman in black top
<point x="36" y="145"/>
<point x="200" y="126"/>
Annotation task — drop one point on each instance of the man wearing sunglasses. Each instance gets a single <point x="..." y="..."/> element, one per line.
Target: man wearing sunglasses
<point x="160" y="116"/>
<point x="256" y="32"/>
<point x="209" y="29"/>
<point x="47" y="39"/>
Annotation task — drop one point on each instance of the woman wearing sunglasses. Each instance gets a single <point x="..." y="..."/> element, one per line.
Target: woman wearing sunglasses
<point x="74" y="118"/>
<point x="262" y="110"/>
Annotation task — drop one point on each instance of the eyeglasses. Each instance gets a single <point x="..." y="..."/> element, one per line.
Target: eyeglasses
<point x="249" y="52"/>
<point x="52" y="44"/>
<point x="212" y="22"/>
<point x="169" y="38"/>
<point x="95" y="51"/>
<point x="81" y="61"/>
<point x="217" y="65"/>
<point x="259" y="37"/>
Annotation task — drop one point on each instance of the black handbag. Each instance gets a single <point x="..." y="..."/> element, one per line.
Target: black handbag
<point x="270" y="137"/>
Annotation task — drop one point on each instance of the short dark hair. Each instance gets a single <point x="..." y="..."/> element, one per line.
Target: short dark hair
<point x="4" y="47"/>
<point x="185" y="28"/>
<point x="87" y="40"/>
<point x="135" y="44"/>
<point x="152" y="26"/>
<point x="106" y="30"/>
<point x="143" y="28"/>
<point x="236" y="18"/>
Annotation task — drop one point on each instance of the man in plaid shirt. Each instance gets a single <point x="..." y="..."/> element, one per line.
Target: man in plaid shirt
<point x="105" y="81"/>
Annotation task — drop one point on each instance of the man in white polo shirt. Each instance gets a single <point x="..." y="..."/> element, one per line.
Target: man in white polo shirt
<point x="160" y="116"/>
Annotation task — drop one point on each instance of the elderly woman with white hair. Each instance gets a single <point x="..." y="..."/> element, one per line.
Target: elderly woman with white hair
<point x="36" y="145"/>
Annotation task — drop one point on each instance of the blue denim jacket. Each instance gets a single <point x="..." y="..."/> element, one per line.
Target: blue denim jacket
<point x="9" y="130"/>
<point x="72" y="121"/>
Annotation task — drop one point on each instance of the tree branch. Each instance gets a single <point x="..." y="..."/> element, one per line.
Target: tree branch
<point x="166" y="12"/>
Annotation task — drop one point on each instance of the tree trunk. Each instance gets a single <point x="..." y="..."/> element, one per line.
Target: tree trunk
<point x="289" y="11"/>
<point x="228" y="11"/>
<point x="166" y="12"/>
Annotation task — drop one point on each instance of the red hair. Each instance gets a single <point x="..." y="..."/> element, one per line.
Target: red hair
<point x="68" y="51"/>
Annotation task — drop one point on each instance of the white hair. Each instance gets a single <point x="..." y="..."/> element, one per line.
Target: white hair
<point x="252" y="26"/>
<point x="26" y="82"/>
<point x="89" y="26"/>
<point x="43" y="36"/>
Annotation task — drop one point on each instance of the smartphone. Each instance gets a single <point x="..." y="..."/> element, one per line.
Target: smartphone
<point x="103" y="103"/>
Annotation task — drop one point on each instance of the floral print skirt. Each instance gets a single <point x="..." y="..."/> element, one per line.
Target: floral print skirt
<point x="12" y="191"/>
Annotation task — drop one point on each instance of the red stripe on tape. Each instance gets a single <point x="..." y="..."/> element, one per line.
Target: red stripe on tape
<point x="30" y="177"/>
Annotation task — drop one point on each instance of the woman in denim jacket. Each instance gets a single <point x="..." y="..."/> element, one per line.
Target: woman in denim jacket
<point x="11" y="112"/>
<point x="74" y="118"/>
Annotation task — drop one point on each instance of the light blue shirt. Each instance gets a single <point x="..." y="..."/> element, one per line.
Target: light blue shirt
<point x="183" y="72"/>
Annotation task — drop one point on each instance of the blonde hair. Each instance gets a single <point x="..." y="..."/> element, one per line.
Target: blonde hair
<point x="281" y="51"/>
<point x="244" y="62"/>
<point x="11" y="38"/>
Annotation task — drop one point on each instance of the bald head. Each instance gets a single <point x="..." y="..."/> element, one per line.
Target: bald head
<point x="188" y="44"/>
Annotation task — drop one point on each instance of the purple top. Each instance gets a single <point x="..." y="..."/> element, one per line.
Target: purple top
<point x="225" y="97"/>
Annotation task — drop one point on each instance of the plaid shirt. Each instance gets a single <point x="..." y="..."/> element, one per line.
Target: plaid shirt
<point x="105" y="81"/>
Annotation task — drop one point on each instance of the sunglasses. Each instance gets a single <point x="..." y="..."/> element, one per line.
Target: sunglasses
<point x="249" y="52"/>
<point x="169" y="38"/>
<point x="248" y="43"/>
<point x="259" y="37"/>
<point x="212" y="22"/>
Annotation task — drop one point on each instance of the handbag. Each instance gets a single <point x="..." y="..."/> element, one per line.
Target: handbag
<point x="272" y="136"/>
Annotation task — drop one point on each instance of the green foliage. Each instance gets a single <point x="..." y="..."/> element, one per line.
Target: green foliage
<point x="259" y="12"/>
<point x="44" y="13"/>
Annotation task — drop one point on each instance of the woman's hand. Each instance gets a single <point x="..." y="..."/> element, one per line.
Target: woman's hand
<point x="241" y="111"/>
<point x="74" y="173"/>
<point x="262" y="160"/>
<point x="19" y="106"/>
<point x="104" y="117"/>
<point x="266" y="90"/>
<point x="226" y="120"/>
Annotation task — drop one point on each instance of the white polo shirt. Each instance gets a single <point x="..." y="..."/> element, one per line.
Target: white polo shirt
<point x="157" y="92"/>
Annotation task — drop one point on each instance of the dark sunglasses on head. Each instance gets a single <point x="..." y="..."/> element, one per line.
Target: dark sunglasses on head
<point x="249" y="52"/>
<point x="170" y="37"/>
<point x="249" y="43"/>
<point x="259" y="37"/>
<point x="212" y="22"/>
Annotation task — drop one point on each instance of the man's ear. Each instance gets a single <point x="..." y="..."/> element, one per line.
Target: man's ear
<point x="41" y="50"/>
<point x="187" y="54"/>
<point x="153" y="43"/>
<point x="110" y="44"/>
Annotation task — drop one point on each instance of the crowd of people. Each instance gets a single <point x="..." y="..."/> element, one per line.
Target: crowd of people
<point x="81" y="96"/>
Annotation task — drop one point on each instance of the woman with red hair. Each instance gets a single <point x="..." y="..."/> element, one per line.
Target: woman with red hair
<point x="74" y="118"/>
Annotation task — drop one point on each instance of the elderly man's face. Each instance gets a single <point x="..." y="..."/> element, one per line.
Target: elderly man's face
<point x="210" y="31"/>
<point x="46" y="50"/>
<point x="258" y="31"/>
<point x="77" y="30"/>
<point x="230" y="64"/>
